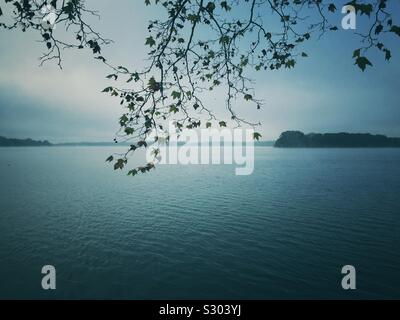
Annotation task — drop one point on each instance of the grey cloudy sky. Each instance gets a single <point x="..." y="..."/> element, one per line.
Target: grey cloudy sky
<point x="324" y="93"/>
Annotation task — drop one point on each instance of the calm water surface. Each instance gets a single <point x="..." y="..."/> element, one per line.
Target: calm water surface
<point x="200" y="231"/>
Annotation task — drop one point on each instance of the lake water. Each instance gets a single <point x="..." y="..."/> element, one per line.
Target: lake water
<point x="192" y="232"/>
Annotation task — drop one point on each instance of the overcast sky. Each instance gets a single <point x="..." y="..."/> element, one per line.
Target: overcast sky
<point x="324" y="93"/>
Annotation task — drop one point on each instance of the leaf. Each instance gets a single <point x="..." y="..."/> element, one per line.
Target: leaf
<point x="101" y="58"/>
<point x="395" y="29"/>
<point x="356" y="53"/>
<point x="222" y="124"/>
<point x="93" y="44"/>
<point x="123" y="69"/>
<point x="224" y="39"/>
<point x="133" y="173"/>
<point x="18" y="6"/>
<point x="142" y="144"/>
<point x="388" y="54"/>
<point x="303" y="54"/>
<point x="210" y="6"/>
<point x="123" y="120"/>
<point x="150" y="41"/>
<point x="154" y="85"/>
<point x="110" y="76"/>
<point x="362" y="63"/>
<point x="365" y="9"/>
<point x="290" y="63"/>
<point x="257" y="136"/>
<point x="208" y="125"/>
<point x="110" y="158"/>
<point x="378" y="29"/>
<point x="248" y="97"/>
<point x="119" y="164"/>
<point x="108" y="89"/>
<point x="173" y="109"/>
<point x="176" y="95"/>
<point x="193" y="18"/>
<point x="332" y="7"/>
<point x="224" y="5"/>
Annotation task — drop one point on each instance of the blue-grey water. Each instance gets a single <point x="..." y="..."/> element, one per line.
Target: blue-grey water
<point x="192" y="232"/>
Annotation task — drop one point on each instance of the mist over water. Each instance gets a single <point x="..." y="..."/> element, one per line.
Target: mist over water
<point x="200" y="231"/>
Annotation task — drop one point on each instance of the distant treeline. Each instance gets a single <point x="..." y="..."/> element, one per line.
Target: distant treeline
<point x="288" y="139"/>
<point x="297" y="139"/>
<point x="6" y="142"/>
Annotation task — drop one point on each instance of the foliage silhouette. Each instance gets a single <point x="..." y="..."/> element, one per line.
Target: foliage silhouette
<point x="201" y="46"/>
